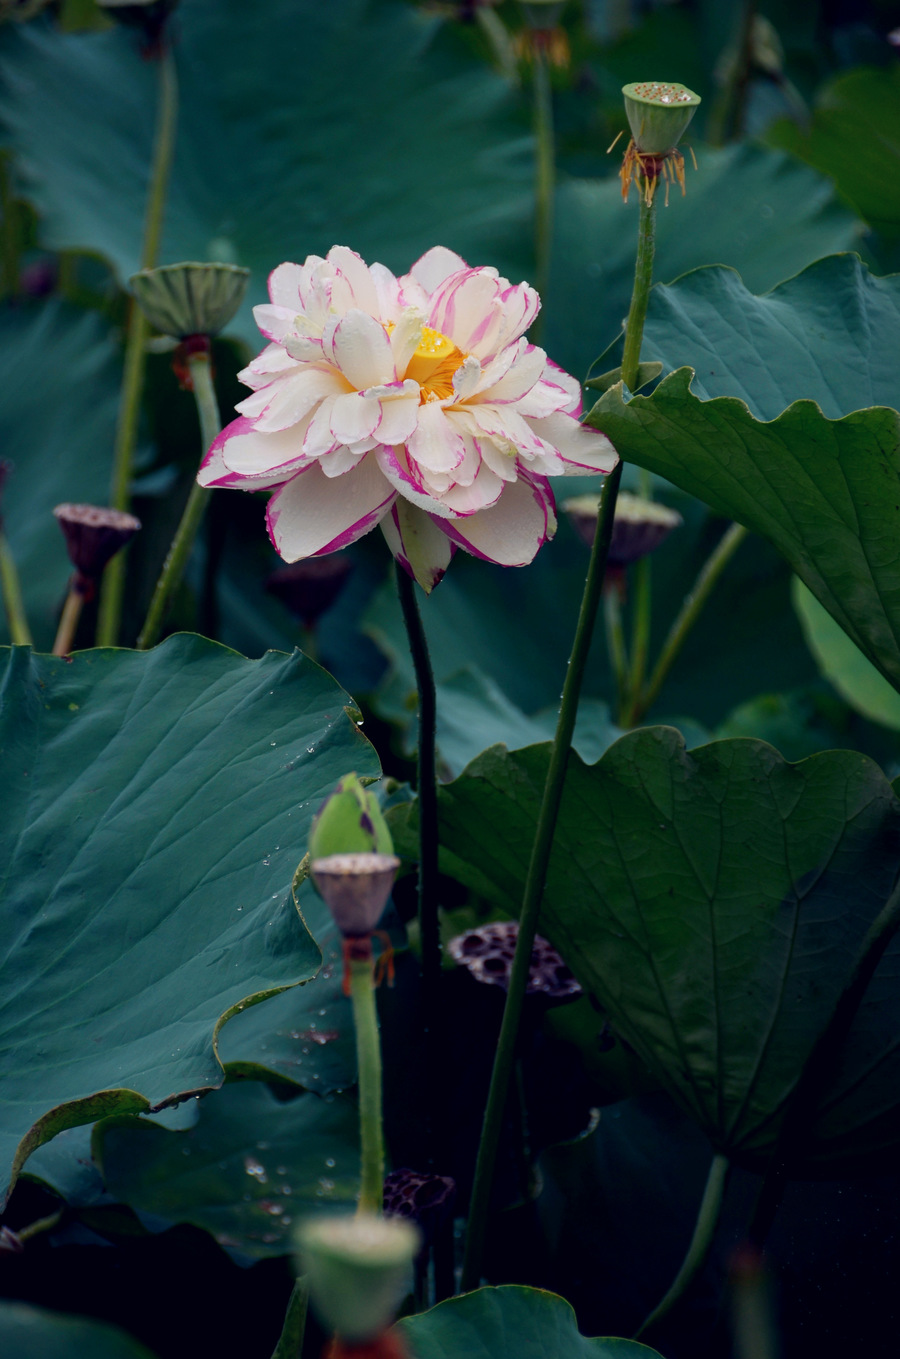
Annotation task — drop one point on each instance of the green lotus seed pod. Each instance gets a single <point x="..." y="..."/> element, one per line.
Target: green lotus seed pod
<point x="658" y="114"/>
<point x="357" y="1269"/>
<point x="190" y="299"/>
<point x="349" y="822"/>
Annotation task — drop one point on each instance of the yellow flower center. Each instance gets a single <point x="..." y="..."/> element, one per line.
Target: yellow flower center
<point x="433" y="364"/>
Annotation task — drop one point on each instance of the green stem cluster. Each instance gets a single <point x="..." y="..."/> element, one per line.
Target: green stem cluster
<point x="112" y="595"/>
<point x="180" y="549"/>
<point x="19" y="631"/>
<point x="368" y="1058"/>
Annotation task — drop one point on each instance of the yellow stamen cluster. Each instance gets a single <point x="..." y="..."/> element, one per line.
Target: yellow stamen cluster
<point x="433" y="364"/>
<point x="645" y="171"/>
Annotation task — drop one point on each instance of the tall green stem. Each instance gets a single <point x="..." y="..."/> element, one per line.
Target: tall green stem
<point x="68" y="622"/>
<point x="615" y="642"/>
<point x="368" y="1058"/>
<point x="429" y="923"/>
<point x="553" y="787"/>
<point x="112" y="594"/>
<point x="545" y="169"/>
<point x="19" y="631"/>
<point x="698" y="1250"/>
<point x="180" y="550"/>
<point x="687" y="617"/>
<point x="640" y="628"/>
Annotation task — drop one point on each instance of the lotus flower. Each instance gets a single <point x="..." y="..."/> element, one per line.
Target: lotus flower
<point x="412" y="402"/>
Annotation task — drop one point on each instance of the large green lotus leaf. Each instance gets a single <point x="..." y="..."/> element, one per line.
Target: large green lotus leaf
<point x="825" y="492"/>
<point x="855" y="138"/>
<point x="300" y="125"/>
<point x="305" y="1035"/>
<point x="753" y="209"/>
<point x="713" y="901"/>
<point x="244" y="1172"/>
<point x="510" y="1322"/>
<point x="57" y="423"/>
<point x="842" y="662"/>
<point x="830" y="335"/>
<point x="155" y="807"/>
<point x="33" y="1333"/>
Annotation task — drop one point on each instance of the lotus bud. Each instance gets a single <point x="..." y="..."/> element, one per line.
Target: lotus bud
<point x="487" y="952"/>
<point x="658" y="113"/>
<point x="348" y="822"/>
<point x="639" y="527"/>
<point x="93" y="535"/>
<point x="358" y="1269"/>
<point x="309" y="588"/>
<point x="190" y="299"/>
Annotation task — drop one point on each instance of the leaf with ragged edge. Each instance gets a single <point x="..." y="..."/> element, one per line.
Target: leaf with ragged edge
<point x="29" y="1332"/>
<point x="713" y="901"/>
<point x="57" y="423"/>
<point x="746" y="207"/>
<point x="855" y="138"/>
<point x="155" y="806"/>
<point x="510" y="1322"/>
<point x="244" y="1172"/>
<point x="417" y="148"/>
<point x="824" y="490"/>
<point x="855" y="678"/>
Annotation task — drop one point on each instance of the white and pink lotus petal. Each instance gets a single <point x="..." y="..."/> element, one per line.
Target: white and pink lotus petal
<point x="354" y="272"/>
<point x="579" y="446"/>
<point x="437" y="264"/>
<point x="569" y="384"/>
<point x="510" y="532"/>
<point x="354" y="417"/>
<point x="311" y="515"/>
<point x="269" y="363"/>
<point x="483" y="491"/>
<point x="215" y="471"/>
<point x="434" y="443"/>
<point x="288" y="399"/>
<point x="359" y="347"/>
<point x="418" y="544"/>
<point x="524" y="373"/>
<point x="406" y="478"/>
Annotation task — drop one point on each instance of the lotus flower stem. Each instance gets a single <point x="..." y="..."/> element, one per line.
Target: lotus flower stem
<point x="68" y="622"/>
<point x="698" y="1250"/>
<point x="615" y="643"/>
<point x="640" y="626"/>
<point x="368" y="1057"/>
<point x="13" y="603"/>
<point x="553" y="787"/>
<point x="180" y="550"/>
<point x="429" y="925"/>
<point x="545" y="171"/>
<point x="136" y="345"/>
<point x="688" y="614"/>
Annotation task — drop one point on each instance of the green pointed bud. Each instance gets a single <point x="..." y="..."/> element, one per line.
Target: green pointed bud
<point x="349" y="822"/>
<point x="190" y="299"/>
<point x="658" y="114"/>
<point x="358" y="1269"/>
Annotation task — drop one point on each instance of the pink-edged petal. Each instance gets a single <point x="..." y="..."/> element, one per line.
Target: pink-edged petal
<point x="521" y="305"/>
<point x="504" y="465"/>
<point x="406" y="478"/>
<point x="214" y="471"/>
<point x="568" y="383"/>
<point x="417" y="543"/>
<point x="464" y="308"/>
<point x="466" y="378"/>
<point x="545" y="398"/>
<point x="284" y="286"/>
<point x="291" y="397"/>
<point x="398" y="419"/>
<point x="319" y="440"/>
<point x="510" y="532"/>
<point x="579" y="446"/>
<point x="405" y="337"/>
<point x="360" y="348"/>
<point x="355" y="271"/>
<point x="250" y="453"/>
<point x="354" y="417"/>
<point x="274" y="322"/>
<point x="387" y="287"/>
<point x="434" y="443"/>
<point x="342" y="460"/>
<point x="523" y="373"/>
<point x="504" y="424"/>
<point x="485" y="490"/>
<point x="312" y="515"/>
<point x="269" y="362"/>
<point x="434" y="266"/>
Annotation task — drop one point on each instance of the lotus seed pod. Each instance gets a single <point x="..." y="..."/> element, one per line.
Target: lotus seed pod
<point x="349" y="822"/>
<point x="190" y="299"/>
<point x="488" y="950"/>
<point x="639" y="527"/>
<point x="93" y="535"/>
<point x="658" y="114"/>
<point x="355" y="888"/>
<point x="358" y="1269"/>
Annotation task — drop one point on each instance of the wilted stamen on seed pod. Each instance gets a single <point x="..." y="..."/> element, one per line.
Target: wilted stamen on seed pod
<point x="93" y="535"/>
<point x="357" y="1269"/>
<point x="658" y="114"/>
<point x="639" y="527"/>
<point x="488" y="953"/>
<point x="309" y="588"/>
<point x="355" y="887"/>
